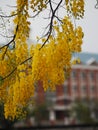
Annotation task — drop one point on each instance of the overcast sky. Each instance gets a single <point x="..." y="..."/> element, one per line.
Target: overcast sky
<point x="89" y="25"/>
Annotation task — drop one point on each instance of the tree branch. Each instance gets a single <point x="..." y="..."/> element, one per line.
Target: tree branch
<point x="96" y="6"/>
<point x="16" y="68"/>
<point x="51" y="21"/>
<point x="11" y="40"/>
<point x="8" y="16"/>
<point x="7" y="45"/>
<point x="49" y="33"/>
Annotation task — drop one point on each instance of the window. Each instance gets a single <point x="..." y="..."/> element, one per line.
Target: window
<point x="73" y="74"/>
<point x="92" y="88"/>
<point x="50" y="94"/>
<point x="84" y="88"/>
<point x="92" y="75"/>
<point x="65" y="89"/>
<point x="83" y="75"/>
<point x="74" y="88"/>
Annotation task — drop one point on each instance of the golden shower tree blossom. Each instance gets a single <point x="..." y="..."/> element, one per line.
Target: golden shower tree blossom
<point x="48" y="61"/>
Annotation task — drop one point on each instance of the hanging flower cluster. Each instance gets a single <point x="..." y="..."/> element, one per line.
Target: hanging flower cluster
<point x="22" y="67"/>
<point x="75" y="8"/>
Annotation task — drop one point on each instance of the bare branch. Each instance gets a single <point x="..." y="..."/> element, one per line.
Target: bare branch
<point x="16" y="68"/>
<point x="51" y="21"/>
<point x="7" y="45"/>
<point x="11" y="6"/>
<point x="62" y="6"/>
<point x="49" y="34"/>
<point x="26" y="60"/>
<point x="8" y="16"/>
<point x="51" y="6"/>
<point x="11" y="40"/>
<point x="96" y="6"/>
<point x="35" y="15"/>
<point x="6" y="36"/>
<point x="57" y="6"/>
<point x="9" y="73"/>
<point x="58" y="19"/>
<point x="45" y="41"/>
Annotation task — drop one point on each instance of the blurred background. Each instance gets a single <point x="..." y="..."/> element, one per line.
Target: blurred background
<point x="76" y="100"/>
<point x="73" y="102"/>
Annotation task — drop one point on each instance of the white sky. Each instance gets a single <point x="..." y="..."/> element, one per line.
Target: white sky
<point x="89" y="25"/>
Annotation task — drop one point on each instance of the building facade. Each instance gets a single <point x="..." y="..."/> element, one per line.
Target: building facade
<point x="82" y="84"/>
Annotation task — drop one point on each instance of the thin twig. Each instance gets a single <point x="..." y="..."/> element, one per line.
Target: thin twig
<point x="6" y="36"/>
<point x="35" y="15"/>
<point x="51" y="22"/>
<point x="8" y="16"/>
<point x="49" y="33"/>
<point x="11" y="40"/>
<point x="96" y="6"/>
<point x="7" y="45"/>
<point x="16" y="68"/>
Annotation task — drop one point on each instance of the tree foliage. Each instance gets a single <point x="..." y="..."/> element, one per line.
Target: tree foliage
<point x="48" y="61"/>
<point x="82" y="113"/>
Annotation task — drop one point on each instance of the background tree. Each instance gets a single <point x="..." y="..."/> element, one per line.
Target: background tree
<point x="38" y="112"/>
<point x="82" y="112"/>
<point x="49" y="60"/>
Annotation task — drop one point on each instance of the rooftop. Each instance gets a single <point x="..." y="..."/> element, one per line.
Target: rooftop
<point x="87" y="58"/>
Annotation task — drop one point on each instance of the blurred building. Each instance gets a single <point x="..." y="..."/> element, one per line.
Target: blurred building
<point x="82" y="84"/>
